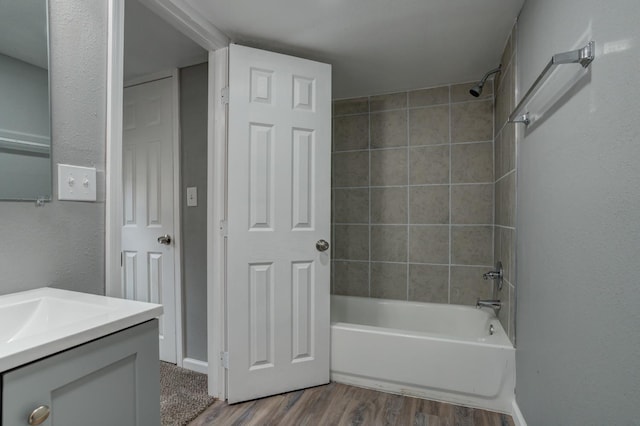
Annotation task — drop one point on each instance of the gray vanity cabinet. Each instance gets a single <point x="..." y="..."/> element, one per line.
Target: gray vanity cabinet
<point x="110" y="381"/>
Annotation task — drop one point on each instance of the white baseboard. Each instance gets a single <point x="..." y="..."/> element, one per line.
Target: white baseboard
<point x="195" y="365"/>
<point x="518" y="418"/>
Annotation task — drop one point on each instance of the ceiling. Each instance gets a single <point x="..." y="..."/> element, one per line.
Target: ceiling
<point x="375" y="46"/>
<point x="23" y="31"/>
<point x="152" y="45"/>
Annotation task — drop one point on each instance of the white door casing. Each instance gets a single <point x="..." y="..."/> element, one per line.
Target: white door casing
<point x="279" y="207"/>
<point x="148" y="195"/>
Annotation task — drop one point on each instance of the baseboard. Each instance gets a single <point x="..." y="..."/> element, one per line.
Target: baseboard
<point x="518" y="418"/>
<point x="195" y="365"/>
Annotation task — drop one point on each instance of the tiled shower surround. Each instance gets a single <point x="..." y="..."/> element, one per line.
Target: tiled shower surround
<point x="413" y="195"/>
<point x="505" y="185"/>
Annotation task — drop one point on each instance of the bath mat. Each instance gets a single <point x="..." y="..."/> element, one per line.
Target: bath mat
<point x="183" y="395"/>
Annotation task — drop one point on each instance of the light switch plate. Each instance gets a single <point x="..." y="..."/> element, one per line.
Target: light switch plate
<point x="192" y="196"/>
<point x="76" y="183"/>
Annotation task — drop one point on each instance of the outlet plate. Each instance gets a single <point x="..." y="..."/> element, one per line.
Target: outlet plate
<point x="192" y="196"/>
<point x="76" y="183"/>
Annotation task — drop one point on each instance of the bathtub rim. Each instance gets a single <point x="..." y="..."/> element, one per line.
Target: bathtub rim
<point x="504" y="341"/>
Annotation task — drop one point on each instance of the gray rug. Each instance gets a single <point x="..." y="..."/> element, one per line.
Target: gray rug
<point x="183" y="395"/>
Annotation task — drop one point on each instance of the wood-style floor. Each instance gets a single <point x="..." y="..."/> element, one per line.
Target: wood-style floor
<point x="338" y="404"/>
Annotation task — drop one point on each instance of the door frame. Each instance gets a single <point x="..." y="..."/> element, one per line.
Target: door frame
<point x="180" y="15"/>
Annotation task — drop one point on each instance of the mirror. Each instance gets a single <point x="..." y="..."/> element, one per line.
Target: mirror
<point x="25" y="129"/>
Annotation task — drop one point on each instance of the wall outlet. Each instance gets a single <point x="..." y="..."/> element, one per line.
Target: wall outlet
<point x="192" y="196"/>
<point x="76" y="183"/>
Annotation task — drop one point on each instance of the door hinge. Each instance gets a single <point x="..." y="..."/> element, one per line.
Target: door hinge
<point x="224" y="229"/>
<point x="224" y="359"/>
<point x="121" y="259"/>
<point x="224" y="96"/>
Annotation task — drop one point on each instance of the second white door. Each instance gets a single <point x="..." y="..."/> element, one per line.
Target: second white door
<point x="148" y="229"/>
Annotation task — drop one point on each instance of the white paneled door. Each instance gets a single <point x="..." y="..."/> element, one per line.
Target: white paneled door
<point x="148" y="228"/>
<point x="278" y="228"/>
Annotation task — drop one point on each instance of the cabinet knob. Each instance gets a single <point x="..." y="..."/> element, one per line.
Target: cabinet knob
<point x="39" y="415"/>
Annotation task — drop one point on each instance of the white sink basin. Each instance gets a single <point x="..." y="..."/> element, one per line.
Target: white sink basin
<point x="37" y="323"/>
<point x="44" y="314"/>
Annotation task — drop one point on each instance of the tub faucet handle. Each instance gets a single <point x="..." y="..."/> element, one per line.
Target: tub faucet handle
<point x="496" y="275"/>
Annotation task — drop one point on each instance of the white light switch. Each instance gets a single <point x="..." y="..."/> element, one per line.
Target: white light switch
<point x="192" y="196"/>
<point x="76" y="183"/>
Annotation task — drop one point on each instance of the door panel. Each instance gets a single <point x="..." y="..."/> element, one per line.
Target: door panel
<point x="279" y="206"/>
<point x="148" y="266"/>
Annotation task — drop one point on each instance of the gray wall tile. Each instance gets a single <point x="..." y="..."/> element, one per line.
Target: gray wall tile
<point x="389" y="101"/>
<point x="350" y="169"/>
<point x="351" y="278"/>
<point x="505" y="200"/>
<point x="389" y="167"/>
<point x="429" y="126"/>
<point x="429" y="244"/>
<point x="467" y="285"/>
<point x="427" y="97"/>
<point x="429" y="283"/>
<point x="472" y="121"/>
<point x="389" y="129"/>
<point x="351" y="242"/>
<point x="389" y="280"/>
<point x="351" y="132"/>
<point x="472" y="245"/>
<point x="429" y="204"/>
<point x="507" y="253"/>
<point x="389" y="205"/>
<point x="351" y="106"/>
<point x="406" y="169"/>
<point x="389" y="243"/>
<point x="472" y="204"/>
<point x="472" y="162"/>
<point x="429" y="165"/>
<point x="351" y="205"/>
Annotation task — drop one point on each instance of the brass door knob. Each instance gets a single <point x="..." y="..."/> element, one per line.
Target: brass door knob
<point x="39" y="415"/>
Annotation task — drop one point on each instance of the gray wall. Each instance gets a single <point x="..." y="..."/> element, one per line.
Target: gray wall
<point x="412" y="208"/>
<point x="62" y="244"/>
<point x="578" y="315"/>
<point x="193" y="149"/>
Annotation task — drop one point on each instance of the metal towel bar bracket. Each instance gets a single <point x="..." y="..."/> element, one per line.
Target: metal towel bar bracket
<point x="583" y="56"/>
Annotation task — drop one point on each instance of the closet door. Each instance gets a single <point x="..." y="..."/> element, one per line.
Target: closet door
<point x="279" y="162"/>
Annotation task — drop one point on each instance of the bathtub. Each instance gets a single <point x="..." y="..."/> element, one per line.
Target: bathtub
<point x="427" y="350"/>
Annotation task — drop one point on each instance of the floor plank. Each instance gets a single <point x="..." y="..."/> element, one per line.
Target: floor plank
<point x="342" y="405"/>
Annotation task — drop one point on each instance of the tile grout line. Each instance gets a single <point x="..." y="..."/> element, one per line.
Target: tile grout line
<point x="450" y="191"/>
<point x="369" y="194"/>
<point x="408" y="215"/>
<point x="399" y="147"/>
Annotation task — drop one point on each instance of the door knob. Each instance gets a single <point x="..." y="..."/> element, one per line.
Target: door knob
<point x="39" y="415"/>
<point x="322" y="245"/>
<point x="164" y="239"/>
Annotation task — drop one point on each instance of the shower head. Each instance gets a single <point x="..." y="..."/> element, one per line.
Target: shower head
<point x="477" y="89"/>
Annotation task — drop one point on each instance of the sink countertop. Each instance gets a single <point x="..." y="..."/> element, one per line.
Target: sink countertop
<point x="41" y="322"/>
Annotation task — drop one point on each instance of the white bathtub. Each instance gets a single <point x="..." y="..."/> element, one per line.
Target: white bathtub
<point x="433" y="351"/>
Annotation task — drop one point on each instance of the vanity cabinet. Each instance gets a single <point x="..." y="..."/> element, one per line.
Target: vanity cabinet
<point x="113" y="380"/>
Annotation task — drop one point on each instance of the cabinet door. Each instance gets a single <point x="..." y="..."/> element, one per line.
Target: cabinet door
<point x="110" y="381"/>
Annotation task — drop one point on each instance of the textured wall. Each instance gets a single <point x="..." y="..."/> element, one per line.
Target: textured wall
<point x="193" y="150"/>
<point x="578" y="226"/>
<point x="62" y="243"/>
<point x="413" y="185"/>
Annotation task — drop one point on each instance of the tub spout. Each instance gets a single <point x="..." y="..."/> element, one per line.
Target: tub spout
<point x="493" y="304"/>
